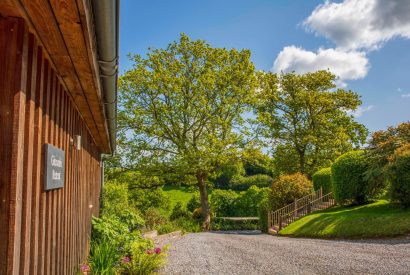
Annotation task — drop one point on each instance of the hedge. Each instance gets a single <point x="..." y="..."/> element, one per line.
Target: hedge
<point x="323" y="178"/>
<point x="349" y="184"/>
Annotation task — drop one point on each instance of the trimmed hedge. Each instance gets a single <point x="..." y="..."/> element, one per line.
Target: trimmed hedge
<point x="244" y="183"/>
<point x="349" y="184"/>
<point x="323" y="178"/>
<point x="399" y="175"/>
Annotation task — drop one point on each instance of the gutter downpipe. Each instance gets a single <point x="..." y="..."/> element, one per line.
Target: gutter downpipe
<point x="106" y="18"/>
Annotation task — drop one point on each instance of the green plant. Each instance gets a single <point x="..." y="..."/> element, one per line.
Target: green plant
<point x="188" y="224"/>
<point x="287" y="188"/>
<point x="247" y="203"/>
<point x="103" y="256"/>
<point x="223" y="202"/>
<point x="243" y="183"/>
<point x="224" y="224"/>
<point x="143" y="199"/>
<point x="153" y="218"/>
<point x="323" y="179"/>
<point x="263" y="209"/>
<point x="399" y="175"/>
<point x="194" y="202"/>
<point x="166" y="228"/>
<point x="143" y="260"/>
<point x="179" y="211"/>
<point x="349" y="184"/>
<point x="196" y="215"/>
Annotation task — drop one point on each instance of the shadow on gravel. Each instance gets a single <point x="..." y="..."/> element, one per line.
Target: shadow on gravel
<point x="238" y="232"/>
<point x="387" y="241"/>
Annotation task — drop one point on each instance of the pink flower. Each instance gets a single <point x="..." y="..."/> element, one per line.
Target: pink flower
<point x="125" y="260"/>
<point x="85" y="268"/>
<point x="157" y="250"/>
<point x="149" y="251"/>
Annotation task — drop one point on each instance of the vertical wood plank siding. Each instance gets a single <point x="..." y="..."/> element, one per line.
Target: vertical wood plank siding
<point x="42" y="232"/>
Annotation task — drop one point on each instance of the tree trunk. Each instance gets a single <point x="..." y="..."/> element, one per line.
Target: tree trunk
<point x="206" y="212"/>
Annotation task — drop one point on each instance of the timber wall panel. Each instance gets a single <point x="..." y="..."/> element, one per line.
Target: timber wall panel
<point x="44" y="232"/>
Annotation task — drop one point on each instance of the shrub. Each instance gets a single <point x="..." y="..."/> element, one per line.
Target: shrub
<point x="143" y="259"/>
<point x="188" y="225"/>
<point x="247" y="204"/>
<point x="287" y="188"/>
<point x="223" y="224"/>
<point x="263" y="209"/>
<point x="323" y="179"/>
<point x="194" y="202"/>
<point x="399" y="175"/>
<point x="243" y="183"/>
<point x="197" y="213"/>
<point x="349" y="184"/>
<point x="226" y="173"/>
<point x="179" y="211"/>
<point x="143" y="199"/>
<point x="223" y="202"/>
<point x="153" y="218"/>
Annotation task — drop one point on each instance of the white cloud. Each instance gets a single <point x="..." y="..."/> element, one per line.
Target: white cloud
<point x="405" y="96"/>
<point x="361" y="24"/>
<point x="359" y="111"/>
<point x="345" y="65"/>
<point x="399" y="89"/>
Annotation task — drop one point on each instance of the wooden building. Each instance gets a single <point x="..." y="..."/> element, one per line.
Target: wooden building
<point x="58" y="78"/>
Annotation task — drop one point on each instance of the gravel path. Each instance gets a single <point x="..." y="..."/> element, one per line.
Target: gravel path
<point x="254" y="253"/>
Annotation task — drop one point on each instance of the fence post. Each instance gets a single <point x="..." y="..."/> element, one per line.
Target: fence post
<point x="296" y="208"/>
<point x="280" y="223"/>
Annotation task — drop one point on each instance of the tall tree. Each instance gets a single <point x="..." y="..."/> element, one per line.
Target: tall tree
<point x="307" y="119"/>
<point x="181" y="108"/>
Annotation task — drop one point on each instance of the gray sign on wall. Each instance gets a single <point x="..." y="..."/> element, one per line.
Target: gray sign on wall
<point x="55" y="166"/>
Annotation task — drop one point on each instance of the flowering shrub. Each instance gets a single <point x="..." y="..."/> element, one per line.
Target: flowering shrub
<point x="143" y="260"/>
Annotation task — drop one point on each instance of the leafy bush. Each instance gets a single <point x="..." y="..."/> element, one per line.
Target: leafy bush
<point x="144" y="259"/>
<point x="103" y="257"/>
<point x="223" y="202"/>
<point x="179" y="212"/>
<point x="287" y="188"/>
<point x="263" y="209"/>
<point x="143" y="199"/>
<point x="153" y="218"/>
<point x="188" y="225"/>
<point x="194" y="202"/>
<point x="399" y="175"/>
<point x="243" y="183"/>
<point x="227" y="173"/>
<point x="349" y="184"/>
<point x="197" y="214"/>
<point x="224" y="224"/>
<point x="323" y="179"/>
<point x="247" y="204"/>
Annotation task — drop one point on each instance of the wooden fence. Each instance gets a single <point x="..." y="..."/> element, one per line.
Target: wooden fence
<point x="280" y="218"/>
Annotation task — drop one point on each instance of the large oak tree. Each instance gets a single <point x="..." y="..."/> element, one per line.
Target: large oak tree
<point x="181" y="108"/>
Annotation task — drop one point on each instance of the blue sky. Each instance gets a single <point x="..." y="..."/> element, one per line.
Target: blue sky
<point x="365" y="42"/>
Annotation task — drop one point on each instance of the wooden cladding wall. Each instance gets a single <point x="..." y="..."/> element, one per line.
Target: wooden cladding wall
<point x="41" y="232"/>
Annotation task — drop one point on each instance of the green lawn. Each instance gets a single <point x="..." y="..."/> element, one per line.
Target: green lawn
<point x="378" y="219"/>
<point x="178" y="194"/>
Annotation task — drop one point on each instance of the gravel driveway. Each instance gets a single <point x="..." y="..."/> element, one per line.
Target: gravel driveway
<point x="254" y="253"/>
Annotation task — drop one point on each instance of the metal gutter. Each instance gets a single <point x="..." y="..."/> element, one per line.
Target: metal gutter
<point x="106" y="18"/>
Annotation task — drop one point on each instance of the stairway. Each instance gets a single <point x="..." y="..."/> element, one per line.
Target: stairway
<point x="279" y="219"/>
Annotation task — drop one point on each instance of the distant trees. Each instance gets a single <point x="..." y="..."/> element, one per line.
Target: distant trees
<point x="306" y="119"/>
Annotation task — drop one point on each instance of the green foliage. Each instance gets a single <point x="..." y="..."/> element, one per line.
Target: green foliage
<point x="287" y="188"/>
<point x="227" y="173"/>
<point x="255" y="162"/>
<point x="247" y="204"/>
<point x="179" y="107"/>
<point x="323" y="179"/>
<point x="375" y="220"/>
<point x="143" y="260"/>
<point x="399" y="175"/>
<point x="349" y="184"/>
<point x="381" y="150"/>
<point x="179" y="211"/>
<point x="264" y="207"/>
<point x="143" y="199"/>
<point x="103" y="257"/>
<point x="181" y="194"/>
<point x="193" y="203"/>
<point x="223" y="224"/>
<point x="223" y="203"/>
<point x="188" y="224"/>
<point x="154" y="218"/>
<point x="307" y="119"/>
<point x="243" y="183"/>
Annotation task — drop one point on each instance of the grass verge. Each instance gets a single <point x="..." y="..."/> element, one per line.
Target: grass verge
<point x="374" y="220"/>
